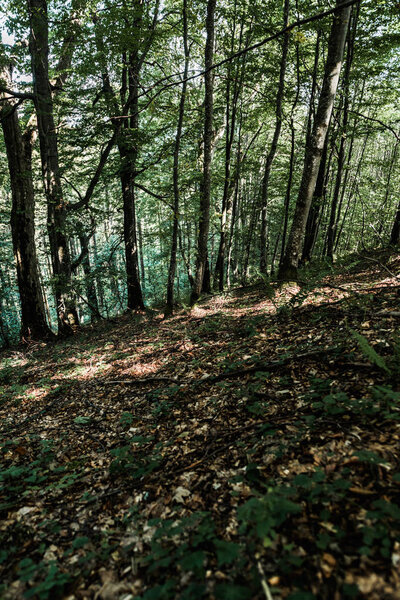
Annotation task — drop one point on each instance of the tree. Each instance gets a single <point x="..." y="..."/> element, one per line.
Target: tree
<point x="274" y="144"/>
<point x="175" y="173"/>
<point x="19" y="148"/>
<point x="314" y="149"/>
<point x="205" y="193"/>
<point x="56" y="207"/>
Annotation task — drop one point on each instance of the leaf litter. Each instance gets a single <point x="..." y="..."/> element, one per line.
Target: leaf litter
<point x="247" y="449"/>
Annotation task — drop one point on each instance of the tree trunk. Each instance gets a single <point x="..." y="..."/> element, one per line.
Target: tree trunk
<point x="175" y="174"/>
<point x="90" y="287"/>
<point x="205" y="193"/>
<point x="129" y="153"/>
<point x="56" y="208"/>
<point x="230" y="179"/>
<point x="395" y="234"/>
<point x="335" y="208"/>
<point x="289" y="266"/>
<point x="274" y="144"/>
<point x="291" y="169"/>
<point x="315" y="208"/>
<point x="18" y="148"/>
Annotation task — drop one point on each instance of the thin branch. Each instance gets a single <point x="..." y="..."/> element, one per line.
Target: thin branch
<point x="270" y="38"/>
<point x="102" y="161"/>
<point x="147" y="191"/>
<point x="384" y="125"/>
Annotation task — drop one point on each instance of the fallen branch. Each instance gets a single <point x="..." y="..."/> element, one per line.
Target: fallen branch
<point x="258" y="366"/>
<point x="142" y="381"/>
<point x="388" y="313"/>
<point x="375" y="260"/>
<point x="273" y="364"/>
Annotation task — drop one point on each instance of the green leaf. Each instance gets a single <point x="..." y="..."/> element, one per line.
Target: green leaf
<point x="193" y="561"/>
<point x="227" y="552"/>
<point x="82" y="420"/>
<point x="300" y="595"/>
<point x="79" y="542"/>
<point x="369" y="351"/>
<point x="223" y="591"/>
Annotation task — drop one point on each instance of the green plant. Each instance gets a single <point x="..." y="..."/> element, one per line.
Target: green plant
<point x="370" y="352"/>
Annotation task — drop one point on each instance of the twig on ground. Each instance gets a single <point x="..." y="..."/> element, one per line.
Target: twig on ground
<point x="375" y="260"/>
<point x="264" y="583"/>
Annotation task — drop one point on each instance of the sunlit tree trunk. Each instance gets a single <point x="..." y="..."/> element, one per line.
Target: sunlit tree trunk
<point x="314" y="149"/>
<point x="336" y="205"/>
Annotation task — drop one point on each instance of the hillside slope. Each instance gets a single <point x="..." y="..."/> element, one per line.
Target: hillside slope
<point x="248" y="449"/>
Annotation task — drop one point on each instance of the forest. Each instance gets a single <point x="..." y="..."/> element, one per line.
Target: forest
<point x="199" y="299"/>
<point x="152" y="152"/>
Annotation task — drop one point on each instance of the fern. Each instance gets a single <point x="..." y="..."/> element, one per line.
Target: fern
<point x="369" y="352"/>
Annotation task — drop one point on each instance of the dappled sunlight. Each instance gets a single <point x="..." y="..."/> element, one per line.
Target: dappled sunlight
<point x="157" y="419"/>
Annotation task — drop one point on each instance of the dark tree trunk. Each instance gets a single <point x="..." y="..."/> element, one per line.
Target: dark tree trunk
<point x="230" y="179"/>
<point x="129" y="153"/>
<point x="175" y="175"/>
<point x="395" y="234"/>
<point x="274" y="145"/>
<point x="288" y="268"/>
<point x="315" y="208"/>
<point x="291" y="169"/>
<point x="205" y="193"/>
<point x="18" y="148"/>
<point x="56" y="209"/>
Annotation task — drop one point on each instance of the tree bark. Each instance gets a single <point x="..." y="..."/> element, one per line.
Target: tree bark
<point x="230" y="180"/>
<point x="395" y="234"/>
<point x="337" y="38"/>
<point x="90" y="287"/>
<point x="335" y="206"/>
<point x="205" y="193"/>
<point x="56" y="207"/>
<point x="169" y="307"/>
<point x="274" y="144"/>
<point x="18" y="149"/>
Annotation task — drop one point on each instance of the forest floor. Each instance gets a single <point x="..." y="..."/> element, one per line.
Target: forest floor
<point x="246" y="449"/>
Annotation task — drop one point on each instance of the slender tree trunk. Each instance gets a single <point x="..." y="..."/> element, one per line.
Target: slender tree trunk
<point x="56" y="209"/>
<point x="175" y="175"/>
<point x="289" y="266"/>
<point x="103" y="304"/>
<point x="247" y="248"/>
<point x="393" y="162"/>
<point x="315" y="208"/>
<point x="186" y="258"/>
<point x="90" y="287"/>
<point x="4" y="330"/>
<point x="205" y="193"/>
<point x="335" y="210"/>
<point x="18" y="149"/>
<point x="230" y="179"/>
<point x="395" y="234"/>
<point x="288" y="193"/>
<point x="274" y="144"/>
<point x="291" y="169"/>
<point x="141" y="254"/>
